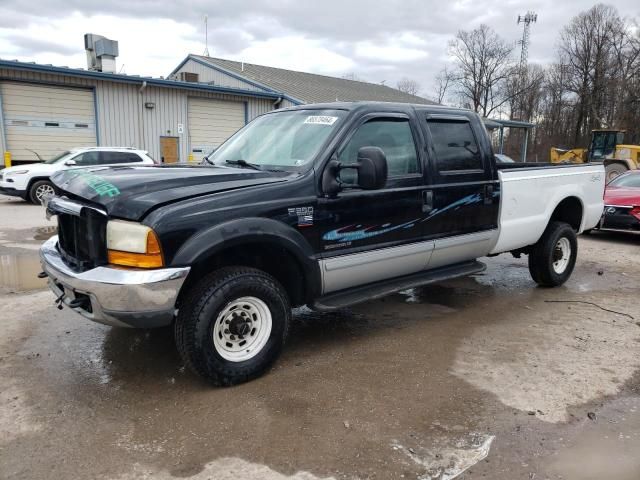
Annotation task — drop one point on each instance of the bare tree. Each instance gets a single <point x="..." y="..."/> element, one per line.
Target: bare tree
<point x="591" y="43"/>
<point x="595" y="82"/>
<point x="484" y="62"/>
<point x="409" y="86"/>
<point x="443" y="82"/>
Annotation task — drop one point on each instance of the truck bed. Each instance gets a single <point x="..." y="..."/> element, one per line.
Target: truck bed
<point x="532" y="191"/>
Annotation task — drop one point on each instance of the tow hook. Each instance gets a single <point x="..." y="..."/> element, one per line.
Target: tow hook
<point x="42" y="275"/>
<point x="58" y="302"/>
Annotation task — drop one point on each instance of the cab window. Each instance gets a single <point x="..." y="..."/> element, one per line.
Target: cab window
<point x="393" y="136"/>
<point x="455" y="146"/>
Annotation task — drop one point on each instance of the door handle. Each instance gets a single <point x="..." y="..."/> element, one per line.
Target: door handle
<point x="427" y="201"/>
<point x="488" y="194"/>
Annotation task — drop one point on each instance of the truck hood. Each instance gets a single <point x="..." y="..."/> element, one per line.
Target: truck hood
<point x="131" y="192"/>
<point x="622" y="196"/>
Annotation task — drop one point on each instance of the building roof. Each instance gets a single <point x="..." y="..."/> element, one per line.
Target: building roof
<point x="118" y="77"/>
<point x="303" y="87"/>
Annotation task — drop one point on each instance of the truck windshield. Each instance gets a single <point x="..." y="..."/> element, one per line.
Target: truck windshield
<point x="279" y="140"/>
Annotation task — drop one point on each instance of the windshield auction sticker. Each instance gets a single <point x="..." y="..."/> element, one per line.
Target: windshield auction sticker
<point x="321" y="120"/>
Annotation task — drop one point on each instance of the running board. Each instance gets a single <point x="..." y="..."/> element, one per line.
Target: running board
<point x="353" y="296"/>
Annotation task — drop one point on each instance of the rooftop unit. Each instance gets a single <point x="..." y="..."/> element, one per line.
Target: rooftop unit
<point x="101" y="53"/>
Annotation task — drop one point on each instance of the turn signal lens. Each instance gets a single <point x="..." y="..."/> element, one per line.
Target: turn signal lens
<point x="147" y="251"/>
<point x="635" y="211"/>
<point x="140" y="260"/>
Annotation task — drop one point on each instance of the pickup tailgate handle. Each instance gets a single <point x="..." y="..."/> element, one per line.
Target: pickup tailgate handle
<point x="488" y="194"/>
<point x="427" y="201"/>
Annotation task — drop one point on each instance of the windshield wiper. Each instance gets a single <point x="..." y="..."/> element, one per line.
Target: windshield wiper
<point x="243" y="163"/>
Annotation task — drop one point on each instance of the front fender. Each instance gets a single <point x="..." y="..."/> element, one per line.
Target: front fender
<point x="207" y="243"/>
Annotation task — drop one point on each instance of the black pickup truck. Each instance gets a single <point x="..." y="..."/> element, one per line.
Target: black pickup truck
<point x="321" y="205"/>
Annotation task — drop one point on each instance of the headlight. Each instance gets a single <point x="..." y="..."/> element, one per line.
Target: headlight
<point x="132" y="244"/>
<point x="17" y="172"/>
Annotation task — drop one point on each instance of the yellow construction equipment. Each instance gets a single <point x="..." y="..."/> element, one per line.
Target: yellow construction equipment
<point x="607" y="147"/>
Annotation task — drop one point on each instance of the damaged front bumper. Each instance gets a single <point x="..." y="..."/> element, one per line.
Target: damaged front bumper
<point x="113" y="296"/>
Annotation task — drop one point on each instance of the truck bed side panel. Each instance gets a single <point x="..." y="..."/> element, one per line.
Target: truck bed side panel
<point x="530" y="195"/>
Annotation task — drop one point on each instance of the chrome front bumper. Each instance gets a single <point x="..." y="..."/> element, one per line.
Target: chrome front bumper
<point x="118" y="297"/>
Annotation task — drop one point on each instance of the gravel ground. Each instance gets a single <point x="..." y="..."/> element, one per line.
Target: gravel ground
<point x="481" y="377"/>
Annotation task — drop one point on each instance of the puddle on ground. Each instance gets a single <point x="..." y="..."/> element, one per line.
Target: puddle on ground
<point x="19" y="273"/>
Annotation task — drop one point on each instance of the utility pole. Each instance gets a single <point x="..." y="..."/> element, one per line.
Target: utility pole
<point x="206" y="36"/>
<point x="527" y="19"/>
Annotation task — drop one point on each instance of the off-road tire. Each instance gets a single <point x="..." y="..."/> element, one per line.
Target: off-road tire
<point x="32" y="196"/>
<point x="194" y="327"/>
<point x="543" y="254"/>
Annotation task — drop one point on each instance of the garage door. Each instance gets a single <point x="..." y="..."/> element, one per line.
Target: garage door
<point x="47" y="120"/>
<point x="211" y="122"/>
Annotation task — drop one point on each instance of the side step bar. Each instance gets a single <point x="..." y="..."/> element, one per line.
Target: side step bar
<point x="353" y="296"/>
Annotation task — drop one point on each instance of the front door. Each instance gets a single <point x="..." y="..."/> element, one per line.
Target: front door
<point x="367" y="236"/>
<point x="169" y="149"/>
<point x="464" y="189"/>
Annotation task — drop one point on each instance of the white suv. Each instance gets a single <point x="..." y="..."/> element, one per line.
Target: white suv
<point x="31" y="181"/>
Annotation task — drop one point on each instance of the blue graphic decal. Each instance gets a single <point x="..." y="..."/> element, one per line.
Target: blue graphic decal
<point x="346" y="234"/>
<point x="468" y="200"/>
<point x="359" y="232"/>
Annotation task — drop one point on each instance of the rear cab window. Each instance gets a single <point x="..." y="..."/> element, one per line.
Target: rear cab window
<point x="455" y="150"/>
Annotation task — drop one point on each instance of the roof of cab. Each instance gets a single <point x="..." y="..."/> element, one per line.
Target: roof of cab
<point x="371" y="106"/>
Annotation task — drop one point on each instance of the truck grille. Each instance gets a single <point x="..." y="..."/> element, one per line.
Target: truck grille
<point x="81" y="236"/>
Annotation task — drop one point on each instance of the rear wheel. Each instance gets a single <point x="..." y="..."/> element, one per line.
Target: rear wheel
<point x="40" y="190"/>
<point x="552" y="259"/>
<point x="232" y="325"/>
<point x="615" y="169"/>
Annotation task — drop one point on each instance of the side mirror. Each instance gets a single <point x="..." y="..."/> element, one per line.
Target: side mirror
<point x="372" y="171"/>
<point x="372" y="168"/>
<point x="70" y="163"/>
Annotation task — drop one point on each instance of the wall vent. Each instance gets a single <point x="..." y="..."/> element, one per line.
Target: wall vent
<point x="188" y="77"/>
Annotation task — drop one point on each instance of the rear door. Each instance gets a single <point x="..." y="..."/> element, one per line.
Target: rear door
<point x="463" y="190"/>
<point x="372" y="235"/>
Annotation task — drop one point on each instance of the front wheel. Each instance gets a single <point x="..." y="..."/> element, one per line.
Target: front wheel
<point x="552" y="259"/>
<point x="232" y="325"/>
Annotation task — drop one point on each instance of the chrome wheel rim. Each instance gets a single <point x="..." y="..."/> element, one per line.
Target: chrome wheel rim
<point x="44" y="191"/>
<point x="242" y="329"/>
<point x="561" y="255"/>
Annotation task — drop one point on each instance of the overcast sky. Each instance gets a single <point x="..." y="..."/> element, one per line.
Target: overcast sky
<point x="377" y="40"/>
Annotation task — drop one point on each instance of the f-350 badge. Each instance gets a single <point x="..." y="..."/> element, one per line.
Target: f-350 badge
<point x="304" y="214"/>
